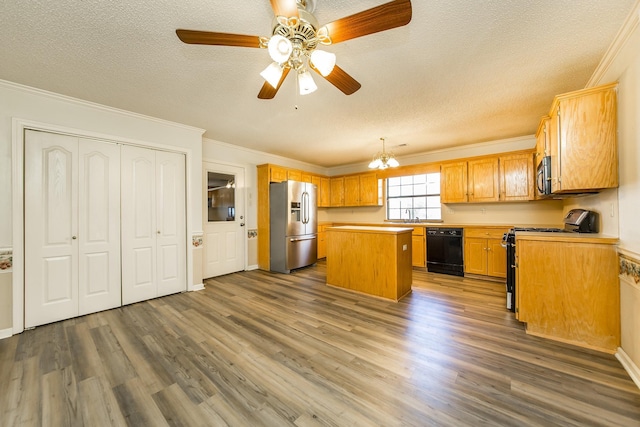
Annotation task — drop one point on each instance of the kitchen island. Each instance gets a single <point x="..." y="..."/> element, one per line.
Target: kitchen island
<point x="371" y="260"/>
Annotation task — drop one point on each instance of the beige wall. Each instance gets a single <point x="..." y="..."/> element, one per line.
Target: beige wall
<point x="6" y="300"/>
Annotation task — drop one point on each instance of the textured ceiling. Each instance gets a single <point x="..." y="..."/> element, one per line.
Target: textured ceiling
<point x="461" y="72"/>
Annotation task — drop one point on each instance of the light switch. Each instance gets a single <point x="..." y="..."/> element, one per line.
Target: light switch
<point x="404" y="247"/>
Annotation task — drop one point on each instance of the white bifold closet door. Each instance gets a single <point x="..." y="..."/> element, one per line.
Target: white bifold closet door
<point x="72" y="227"/>
<point x="153" y="224"/>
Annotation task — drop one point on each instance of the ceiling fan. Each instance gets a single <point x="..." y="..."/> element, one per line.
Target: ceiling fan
<point x="296" y="36"/>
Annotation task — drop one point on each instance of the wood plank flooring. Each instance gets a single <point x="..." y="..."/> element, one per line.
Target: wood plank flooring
<point x="260" y="349"/>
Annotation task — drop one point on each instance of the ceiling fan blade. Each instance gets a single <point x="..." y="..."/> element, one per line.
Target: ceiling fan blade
<point x="287" y="8"/>
<point x="340" y="79"/>
<point x="268" y="91"/>
<point x="384" y="17"/>
<point x="219" y="39"/>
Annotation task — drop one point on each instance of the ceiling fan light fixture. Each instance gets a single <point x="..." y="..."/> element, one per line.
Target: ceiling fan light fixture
<point x="272" y="74"/>
<point x="280" y="48"/>
<point x="323" y="61"/>
<point x="306" y="83"/>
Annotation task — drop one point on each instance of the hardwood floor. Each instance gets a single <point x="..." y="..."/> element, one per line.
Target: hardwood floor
<point x="260" y="349"/>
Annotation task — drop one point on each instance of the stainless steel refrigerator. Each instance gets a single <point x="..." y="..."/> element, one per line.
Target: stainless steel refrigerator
<point x="294" y="225"/>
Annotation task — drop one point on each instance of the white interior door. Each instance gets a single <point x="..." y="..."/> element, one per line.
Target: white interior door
<point x="171" y="225"/>
<point x="153" y="224"/>
<point x="224" y="219"/>
<point x="51" y="227"/>
<point x="138" y="224"/>
<point x="99" y="225"/>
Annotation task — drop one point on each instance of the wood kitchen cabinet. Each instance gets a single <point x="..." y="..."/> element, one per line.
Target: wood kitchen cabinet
<point x="324" y="191"/>
<point x="567" y="289"/>
<point x="516" y="177"/>
<point x="542" y="150"/>
<point x="453" y="182"/>
<point x="322" y="240"/>
<point x="583" y="140"/>
<point x="483" y="252"/>
<point x="483" y="182"/>
<point x="361" y="190"/>
<point x="337" y="192"/>
<point x="418" y="248"/>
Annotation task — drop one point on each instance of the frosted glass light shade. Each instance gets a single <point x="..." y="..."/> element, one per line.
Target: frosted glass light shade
<point x="393" y="162"/>
<point x="323" y="61"/>
<point x="279" y="48"/>
<point x="272" y="74"/>
<point x="306" y="83"/>
<point x="375" y="164"/>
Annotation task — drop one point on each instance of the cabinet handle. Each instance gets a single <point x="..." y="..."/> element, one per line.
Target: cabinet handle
<point x="74" y="237"/>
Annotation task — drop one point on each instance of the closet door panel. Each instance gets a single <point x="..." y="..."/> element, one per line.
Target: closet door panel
<point x="99" y="221"/>
<point x="138" y="224"/>
<point x="51" y="228"/>
<point x="171" y="236"/>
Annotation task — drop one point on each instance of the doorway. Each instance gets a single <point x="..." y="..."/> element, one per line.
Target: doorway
<point x="224" y="219"/>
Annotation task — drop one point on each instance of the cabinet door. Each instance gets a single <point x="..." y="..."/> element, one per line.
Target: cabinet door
<point x="475" y="255"/>
<point x="277" y="174"/>
<point x="516" y="177"/>
<point x="453" y="182"/>
<point x="588" y="155"/>
<point x="325" y="193"/>
<point x="294" y="175"/>
<point x="322" y="243"/>
<point x="483" y="180"/>
<point x="337" y="191"/>
<point x="418" y="251"/>
<point x="496" y="259"/>
<point x="307" y="178"/>
<point x="369" y="190"/>
<point x="352" y="190"/>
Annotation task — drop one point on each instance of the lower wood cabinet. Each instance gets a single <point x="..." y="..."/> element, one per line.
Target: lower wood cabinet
<point x="322" y="240"/>
<point x="418" y="248"/>
<point x="567" y="289"/>
<point x="483" y="252"/>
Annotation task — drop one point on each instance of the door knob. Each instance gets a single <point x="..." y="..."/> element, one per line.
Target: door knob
<point x="74" y="237"/>
<point x="242" y="224"/>
<point x="158" y="231"/>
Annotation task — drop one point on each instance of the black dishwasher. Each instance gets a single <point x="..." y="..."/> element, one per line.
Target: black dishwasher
<point x="444" y="251"/>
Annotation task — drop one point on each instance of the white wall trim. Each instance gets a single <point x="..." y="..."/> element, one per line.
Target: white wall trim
<point x="619" y="43"/>
<point x="198" y="287"/>
<point x="19" y="126"/>
<point x="628" y="365"/>
<point x="252" y="267"/>
<point x="5" y="333"/>
<point x="105" y="108"/>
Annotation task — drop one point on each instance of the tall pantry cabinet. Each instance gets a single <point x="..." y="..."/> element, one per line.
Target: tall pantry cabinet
<point x="105" y="225"/>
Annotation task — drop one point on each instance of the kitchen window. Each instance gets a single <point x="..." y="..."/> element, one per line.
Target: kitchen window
<point x="415" y="196"/>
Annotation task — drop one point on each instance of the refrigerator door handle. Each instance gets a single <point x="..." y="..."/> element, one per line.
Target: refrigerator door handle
<point x="305" y="207"/>
<point x="302" y="239"/>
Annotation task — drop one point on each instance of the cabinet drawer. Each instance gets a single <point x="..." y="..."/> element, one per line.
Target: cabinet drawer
<point x="418" y="231"/>
<point x="487" y="233"/>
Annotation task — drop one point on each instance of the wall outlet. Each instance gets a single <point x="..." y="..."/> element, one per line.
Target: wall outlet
<point x="404" y="247"/>
<point x="483" y="211"/>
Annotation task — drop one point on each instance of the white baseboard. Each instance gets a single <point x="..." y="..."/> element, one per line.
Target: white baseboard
<point x="631" y="368"/>
<point x="6" y="333"/>
<point x="251" y="267"/>
<point x="197" y="287"/>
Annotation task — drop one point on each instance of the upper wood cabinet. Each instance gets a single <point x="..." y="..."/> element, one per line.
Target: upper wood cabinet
<point x="277" y="173"/>
<point x="361" y="190"/>
<point x="294" y="175"/>
<point x="583" y="140"/>
<point x="517" y="177"/>
<point x="483" y="184"/>
<point x="507" y="177"/>
<point x="324" y="190"/>
<point x="337" y="191"/>
<point x="453" y="182"/>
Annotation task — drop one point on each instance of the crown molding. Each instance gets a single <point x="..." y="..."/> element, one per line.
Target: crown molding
<point x="94" y="105"/>
<point x="621" y="40"/>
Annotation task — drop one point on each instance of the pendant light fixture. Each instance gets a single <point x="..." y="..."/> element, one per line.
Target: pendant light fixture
<point x="383" y="159"/>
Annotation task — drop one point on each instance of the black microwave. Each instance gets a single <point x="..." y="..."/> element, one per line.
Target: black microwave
<point x="543" y="177"/>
